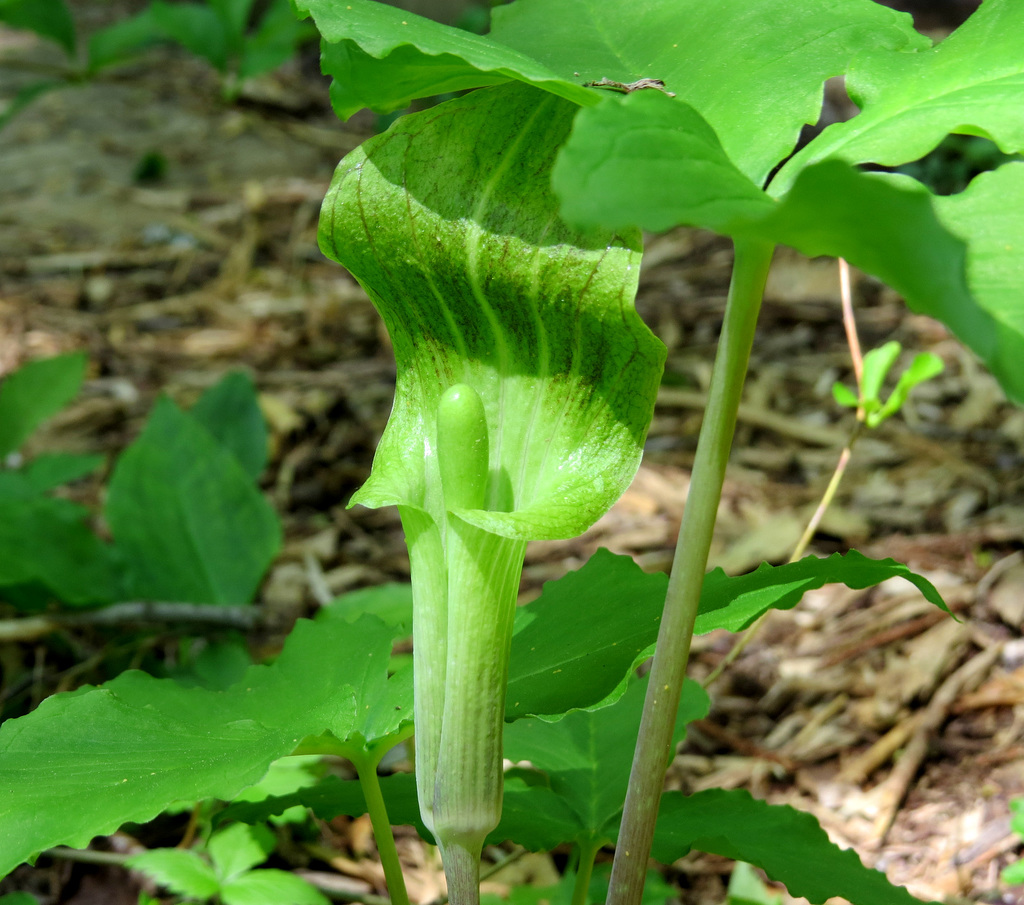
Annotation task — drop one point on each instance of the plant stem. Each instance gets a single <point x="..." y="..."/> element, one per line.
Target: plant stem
<point x="584" y="871"/>
<point x="462" y="870"/>
<point x="484" y="572"/>
<point x="654" y="745"/>
<point x="850" y="326"/>
<point x="382" y="834"/>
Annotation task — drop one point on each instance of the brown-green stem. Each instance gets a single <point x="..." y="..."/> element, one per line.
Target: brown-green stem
<point x="654" y="746"/>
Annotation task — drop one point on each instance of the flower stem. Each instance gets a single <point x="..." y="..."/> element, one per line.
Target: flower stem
<point x="850" y="325"/>
<point x="484" y="572"/>
<point x="654" y="745"/>
<point x="382" y="834"/>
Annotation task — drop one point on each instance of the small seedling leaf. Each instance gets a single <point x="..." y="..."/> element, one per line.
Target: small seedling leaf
<point x="35" y="392"/>
<point x="790" y="846"/>
<point x="187" y="517"/>
<point x="126" y="750"/>
<point x="845" y="396"/>
<point x="877" y="364"/>
<point x="924" y="367"/>
<point x="1014" y="874"/>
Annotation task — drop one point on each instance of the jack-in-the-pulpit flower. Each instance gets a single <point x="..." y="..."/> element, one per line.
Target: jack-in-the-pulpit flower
<point x="525" y="388"/>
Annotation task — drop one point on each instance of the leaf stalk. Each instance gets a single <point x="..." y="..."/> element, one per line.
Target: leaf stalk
<point x="366" y="770"/>
<point x="654" y="745"/>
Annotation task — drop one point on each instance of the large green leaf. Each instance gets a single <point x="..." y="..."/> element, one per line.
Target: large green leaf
<point x="47" y="18"/>
<point x="35" y="392"/>
<point x="705" y="53"/>
<point x="754" y="70"/>
<point x="584" y="768"/>
<point x="734" y="602"/>
<point x="566" y="655"/>
<point x="53" y="469"/>
<point x="645" y="159"/>
<point x="971" y="83"/>
<point x="230" y="411"/>
<point x="49" y="553"/>
<point x="789" y="845"/>
<point x="449" y="223"/>
<point x="585" y="761"/>
<point x="989" y="216"/>
<point x="187" y="517"/>
<point x="126" y="750"/>
<point x="333" y="796"/>
<point x="382" y="58"/>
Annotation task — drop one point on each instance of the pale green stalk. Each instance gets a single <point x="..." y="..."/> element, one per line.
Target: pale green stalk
<point x="654" y="746"/>
<point x="584" y="871"/>
<point x="366" y="770"/>
<point x="850" y="325"/>
<point x="430" y="629"/>
<point x="468" y="787"/>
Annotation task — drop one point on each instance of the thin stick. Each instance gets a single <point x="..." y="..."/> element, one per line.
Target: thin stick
<point x="243" y="618"/>
<point x="850" y="324"/>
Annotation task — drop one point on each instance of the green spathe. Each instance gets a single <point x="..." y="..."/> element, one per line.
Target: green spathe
<point x="449" y="223"/>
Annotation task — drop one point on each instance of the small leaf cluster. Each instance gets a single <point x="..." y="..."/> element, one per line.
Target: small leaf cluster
<point x="225" y="33"/>
<point x="187" y="519"/>
<point x="877" y="364"/>
<point x="227" y="874"/>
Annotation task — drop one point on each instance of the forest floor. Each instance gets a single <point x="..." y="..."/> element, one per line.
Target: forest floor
<point x="900" y="729"/>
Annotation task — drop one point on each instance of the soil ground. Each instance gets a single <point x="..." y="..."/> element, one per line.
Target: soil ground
<point x="901" y="730"/>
